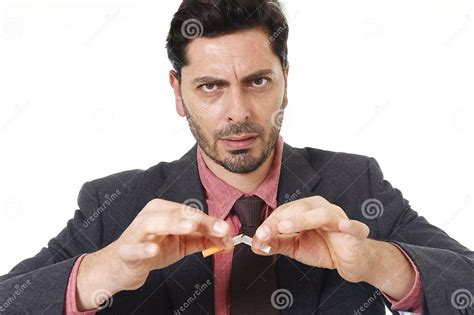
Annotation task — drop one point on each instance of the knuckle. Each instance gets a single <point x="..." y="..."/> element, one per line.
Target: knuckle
<point x="323" y="211"/>
<point x="319" y="199"/>
<point x="153" y="203"/>
<point x="338" y="209"/>
<point x="148" y="226"/>
<point x="138" y="221"/>
<point x="210" y="220"/>
<point x="298" y="220"/>
<point x="272" y="220"/>
<point x="339" y="212"/>
<point x="306" y="205"/>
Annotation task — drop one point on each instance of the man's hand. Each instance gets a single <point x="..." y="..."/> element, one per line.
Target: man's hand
<point x="318" y="233"/>
<point x="161" y="234"/>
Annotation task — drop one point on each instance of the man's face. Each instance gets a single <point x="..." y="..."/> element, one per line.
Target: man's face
<point x="233" y="88"/>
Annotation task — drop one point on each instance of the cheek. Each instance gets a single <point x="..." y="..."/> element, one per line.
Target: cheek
<point x="267" y="111"/>
<point x="207" y="120"/>
<point x="210" y="117"/>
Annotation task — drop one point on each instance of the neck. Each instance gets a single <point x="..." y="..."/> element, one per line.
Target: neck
<point x="246" y="183"/>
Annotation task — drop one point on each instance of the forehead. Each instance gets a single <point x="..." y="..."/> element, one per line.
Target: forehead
<point x="237" y="53"/>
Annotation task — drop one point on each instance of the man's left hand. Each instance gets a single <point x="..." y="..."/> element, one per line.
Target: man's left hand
<point x="317" y="233"/>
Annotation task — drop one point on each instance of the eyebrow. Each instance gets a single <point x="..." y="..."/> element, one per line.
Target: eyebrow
<point x="250" y="77"/>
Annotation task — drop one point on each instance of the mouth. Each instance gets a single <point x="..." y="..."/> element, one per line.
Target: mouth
<point x="240" y="142"/>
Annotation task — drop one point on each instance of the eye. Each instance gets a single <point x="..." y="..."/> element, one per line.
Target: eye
<point x="260" y="82"/>
<point x="208" y="87"/>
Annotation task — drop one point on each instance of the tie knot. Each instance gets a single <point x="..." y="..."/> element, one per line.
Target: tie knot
<point x="249" y="211"/>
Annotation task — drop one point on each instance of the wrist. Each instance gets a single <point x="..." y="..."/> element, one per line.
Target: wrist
<point x="390" y="270"/>
<point x="377" y="270"/>
<point x="97" y="280"/>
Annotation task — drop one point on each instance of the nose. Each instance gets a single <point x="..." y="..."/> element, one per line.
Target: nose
<point x="238" y="108"/>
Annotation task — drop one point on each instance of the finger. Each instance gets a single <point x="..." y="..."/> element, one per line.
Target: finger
<point x="282" y="244"/>
<point x="355" y="228"/>
<point x="269" y="228"/>
<point x="212" y="226"/>
<point x="138" y="252"/>
<point x="286" y="245"/>
<point x="325" y="218"/>
<point x="179" y="224"/>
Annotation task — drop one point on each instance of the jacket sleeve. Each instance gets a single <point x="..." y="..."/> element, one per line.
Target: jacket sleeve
<point x="446" y="267"/>
<point x="38" y="284"/>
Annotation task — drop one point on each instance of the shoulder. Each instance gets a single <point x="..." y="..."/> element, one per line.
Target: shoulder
<point x="132" y="182"/>
<point x="336" y="162"/>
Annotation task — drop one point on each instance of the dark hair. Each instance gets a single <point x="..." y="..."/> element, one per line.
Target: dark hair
<point x="211" y="18"/>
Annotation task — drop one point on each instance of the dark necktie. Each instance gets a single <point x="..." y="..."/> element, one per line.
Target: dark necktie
<point x="253" y="278"/>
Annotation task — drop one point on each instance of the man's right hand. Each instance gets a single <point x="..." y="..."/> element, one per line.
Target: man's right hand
<point x="162" y="233"/>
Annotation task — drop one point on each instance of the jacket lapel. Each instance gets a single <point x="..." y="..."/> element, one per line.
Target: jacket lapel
<point x="190" y="281"/>
<point x="297" y="180"/>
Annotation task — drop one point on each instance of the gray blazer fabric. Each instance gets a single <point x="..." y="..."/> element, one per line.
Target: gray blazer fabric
<point x="108" y="205"/>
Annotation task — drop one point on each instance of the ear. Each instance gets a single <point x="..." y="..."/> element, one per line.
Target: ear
<point x="285" y="97"/>
<point x="174" y="82"/>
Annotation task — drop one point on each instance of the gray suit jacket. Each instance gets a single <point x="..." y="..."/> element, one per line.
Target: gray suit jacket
<point x="108" y="205"/>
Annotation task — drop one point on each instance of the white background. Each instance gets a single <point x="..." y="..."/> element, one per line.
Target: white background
<point x="84" y="93"/>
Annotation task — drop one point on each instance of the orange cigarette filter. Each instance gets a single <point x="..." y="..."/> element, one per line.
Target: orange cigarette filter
<point x="211" y="251"/>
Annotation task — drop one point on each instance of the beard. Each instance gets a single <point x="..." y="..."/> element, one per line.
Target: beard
<point x="240" y="161"/>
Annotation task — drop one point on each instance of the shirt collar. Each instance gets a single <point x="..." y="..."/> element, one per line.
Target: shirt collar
<point x="224" y="196"/>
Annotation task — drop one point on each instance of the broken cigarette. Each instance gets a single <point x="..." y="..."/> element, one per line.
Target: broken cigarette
<point x="241" y="238"/>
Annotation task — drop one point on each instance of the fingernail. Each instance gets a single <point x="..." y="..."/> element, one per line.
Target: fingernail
<point x="186" y="224"/>
<point x="262" y="233"/>
<point x="285" y="225"/>
<point x="220" y="227"/>
<point x="258" y="244"/>
<point x="150" y="249"/>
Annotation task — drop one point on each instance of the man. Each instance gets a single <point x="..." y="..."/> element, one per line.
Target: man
<point x="342" y="239"/>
